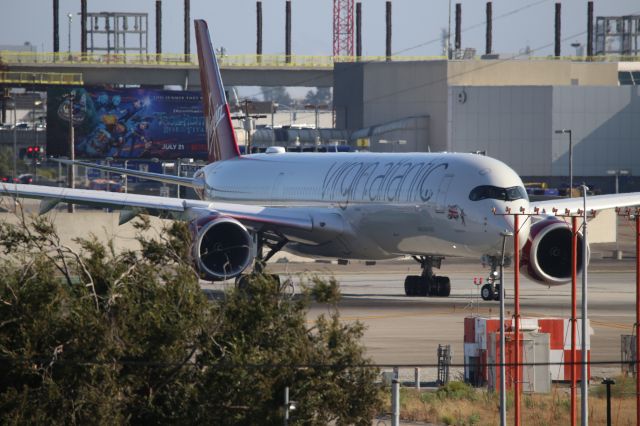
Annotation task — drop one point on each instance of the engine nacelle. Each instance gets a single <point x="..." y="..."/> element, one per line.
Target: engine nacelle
<point x="222" y="247"/>
<point x="546" y="257"/>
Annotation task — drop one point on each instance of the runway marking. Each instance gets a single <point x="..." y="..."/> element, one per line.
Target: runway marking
<point x="617" y="325"/>
<point x="484" y="311"/>
<point x="426" y="313"/>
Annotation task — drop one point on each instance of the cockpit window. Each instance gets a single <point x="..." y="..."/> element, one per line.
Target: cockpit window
<point x="484" y="192"/>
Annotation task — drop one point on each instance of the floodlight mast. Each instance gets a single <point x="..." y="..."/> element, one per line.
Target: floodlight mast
<point x="563" y="131"/>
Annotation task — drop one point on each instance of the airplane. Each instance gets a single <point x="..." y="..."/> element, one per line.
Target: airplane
<point x="367" y="206"/>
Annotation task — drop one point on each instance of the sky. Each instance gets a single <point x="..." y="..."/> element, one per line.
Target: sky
<point x="417" y="24"/>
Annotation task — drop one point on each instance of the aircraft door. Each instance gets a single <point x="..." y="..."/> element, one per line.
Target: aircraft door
<point x="443" y="190"/>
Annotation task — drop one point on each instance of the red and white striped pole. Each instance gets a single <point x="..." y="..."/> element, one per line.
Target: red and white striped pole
<point x="516" y="302"/>
<point x="637" y="220"/>
<point x="574" y="291"/>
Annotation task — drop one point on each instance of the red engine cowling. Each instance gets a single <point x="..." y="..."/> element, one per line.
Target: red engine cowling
<point x="546" y="257"/>
<point x="222" y="247"/>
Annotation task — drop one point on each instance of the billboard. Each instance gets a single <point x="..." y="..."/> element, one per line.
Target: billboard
<point x="126" y="123"/>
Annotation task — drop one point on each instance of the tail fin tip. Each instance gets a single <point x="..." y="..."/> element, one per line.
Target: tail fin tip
<point x="221" y="138"/>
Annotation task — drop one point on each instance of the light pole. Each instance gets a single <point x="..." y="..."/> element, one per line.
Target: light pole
<point x="70" y="97"/>
<point x="70" y="16"/>
<point x="126" y="177"/>
<point x="15" y="139"/>
<point x="108" y="160"/>
<point x="288" y="406"/>
<point x="316" y="108"/>
<point x="617" y="173"/>
<point x="562" y="131"/>
<point x="36" y="103"/>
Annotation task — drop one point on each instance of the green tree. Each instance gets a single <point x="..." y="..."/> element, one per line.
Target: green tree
<point x="93" y="336"/>
<point x="277" y="94"/>
<point x="6" y="162"/>
<point x="321" y="96"/>
<point x="323" y="365"/>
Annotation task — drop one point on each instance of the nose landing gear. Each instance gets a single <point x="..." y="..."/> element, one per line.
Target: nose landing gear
<point x="427" y="284"/>
<point x="491" y="290"/>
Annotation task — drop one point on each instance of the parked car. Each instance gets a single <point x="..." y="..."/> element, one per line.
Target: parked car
<point x="8" y="179"/>
<point x="25" y="178"/>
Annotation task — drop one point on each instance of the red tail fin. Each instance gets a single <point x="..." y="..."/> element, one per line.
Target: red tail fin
<point x="221" y="139"/>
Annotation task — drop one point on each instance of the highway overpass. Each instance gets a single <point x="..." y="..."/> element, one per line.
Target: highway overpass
<point x="159" y="70"/>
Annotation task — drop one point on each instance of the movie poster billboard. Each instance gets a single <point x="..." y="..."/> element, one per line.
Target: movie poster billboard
<point x="126" y="123"/>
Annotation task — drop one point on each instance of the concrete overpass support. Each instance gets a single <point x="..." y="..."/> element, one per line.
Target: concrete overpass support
<point x="259" y="30"/>
<point x="388" y="41"/>
<point x="56" y="26"/>
<point x="287" y="30"/>
<point x="83" y="26"/>
<point x="558" y="30"/>
<point x="187" y="30"/>
<point x="158" y="26"/>
<point x="359" y="29"/>
<point x="458" y="39"/>
<point x="489" y="35"/>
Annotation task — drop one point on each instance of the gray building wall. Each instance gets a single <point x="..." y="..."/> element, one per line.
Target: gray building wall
<point x="347" y="95"/>
<point x="516" y="124"/>
<point x="510" y="123"/>
<point x="605" y="124"/>
<point x="408" y="89"/>
<point x="372" y="94"/>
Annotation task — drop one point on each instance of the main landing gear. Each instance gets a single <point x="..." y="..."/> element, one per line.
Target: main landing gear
<point x="491" y="290"/>
<point x="274" y="244"/>
<point x="427" y="284"/>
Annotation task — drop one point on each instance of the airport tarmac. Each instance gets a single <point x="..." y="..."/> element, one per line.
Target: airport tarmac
<point x="407" y="330"/>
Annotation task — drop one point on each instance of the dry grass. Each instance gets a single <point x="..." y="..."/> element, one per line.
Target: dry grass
<point x="459" y="404"/>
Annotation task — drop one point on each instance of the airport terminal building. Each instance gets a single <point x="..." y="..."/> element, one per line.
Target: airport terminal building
<point x="509" y="109"/>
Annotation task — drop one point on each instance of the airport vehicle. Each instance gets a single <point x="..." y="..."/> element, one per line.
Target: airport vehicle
<point x="342" y="205"/>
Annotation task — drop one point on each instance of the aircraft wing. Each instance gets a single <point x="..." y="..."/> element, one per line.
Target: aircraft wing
<point x="160" y="177"/>
<point x="594" y="202"/>
<point x="279" y="219"/>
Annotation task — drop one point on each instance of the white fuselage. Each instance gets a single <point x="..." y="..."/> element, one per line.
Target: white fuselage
<point x="391" y="204"/>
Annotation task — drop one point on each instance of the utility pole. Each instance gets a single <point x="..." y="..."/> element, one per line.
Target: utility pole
<point x="70" y="173"/>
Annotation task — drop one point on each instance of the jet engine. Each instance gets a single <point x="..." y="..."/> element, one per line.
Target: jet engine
<point x="546" y="256"/>
<point x="222" y="247"/>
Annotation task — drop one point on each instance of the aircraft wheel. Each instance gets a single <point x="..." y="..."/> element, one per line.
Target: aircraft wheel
<point x="242" y="282"/>
<point x="431" y="286"/>
<point x="409" y="287"/>
<point x="487" y="292"/>
<point x="444" y="286"/>
<point x="496" y="295"/>
<point x="424" y="284"/>
<point x="412" y="285"/>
